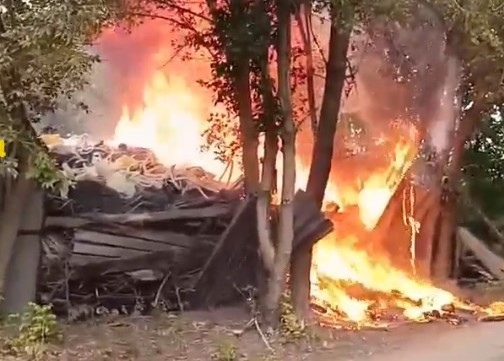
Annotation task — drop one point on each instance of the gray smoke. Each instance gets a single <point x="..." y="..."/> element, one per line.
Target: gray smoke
<point x="99" y="97"/>
<point x="405" y="73"/>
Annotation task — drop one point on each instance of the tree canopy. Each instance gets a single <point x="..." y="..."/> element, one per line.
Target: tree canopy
<point x="43" y="57"/>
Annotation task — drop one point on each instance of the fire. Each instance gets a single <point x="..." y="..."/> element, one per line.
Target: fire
<point x="348" y="278"/>
<point x="169" y="122"/>
<point x="357" y="284"/>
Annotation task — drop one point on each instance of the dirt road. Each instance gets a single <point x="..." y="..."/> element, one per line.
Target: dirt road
<point x="205" y="336"/>
<point x="475" y="341"/>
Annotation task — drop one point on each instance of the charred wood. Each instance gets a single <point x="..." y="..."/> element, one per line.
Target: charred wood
<point x="232" y="267"/>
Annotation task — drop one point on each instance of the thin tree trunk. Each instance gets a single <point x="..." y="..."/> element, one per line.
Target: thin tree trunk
<point x="429" y="220"/>
<point x="305" y="27"/>
<point x="266" y="246"/>
<point x="276" y="281"/>
<point x="321" y="158"/>
<point x="248" y="131"/>
<point x="443" y="257"/>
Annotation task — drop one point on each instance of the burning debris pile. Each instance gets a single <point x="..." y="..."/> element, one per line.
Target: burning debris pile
<point x="135" y="233"/>
<point x="132" y="234"/>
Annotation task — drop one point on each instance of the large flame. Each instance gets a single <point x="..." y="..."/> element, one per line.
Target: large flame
<point x="339" y="265"/>
<point x="346" y="276"/>
<point x="167" y="121"/>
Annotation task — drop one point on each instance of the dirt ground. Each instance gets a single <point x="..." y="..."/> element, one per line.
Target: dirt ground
<point x="211" y="336"/>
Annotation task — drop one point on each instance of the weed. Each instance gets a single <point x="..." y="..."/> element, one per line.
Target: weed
<point x="226" y="351"/>
<point x="35" y="328"/>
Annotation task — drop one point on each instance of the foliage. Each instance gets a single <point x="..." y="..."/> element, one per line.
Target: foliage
<point x="36" y="328"/>
<point x="43" y="57"/>
<point x="484" y="166"/>
<point x="476" y="35"/>
<point x="238" y="38"/>
<point x="44" y="42"/>
<point x="241" y="36"/>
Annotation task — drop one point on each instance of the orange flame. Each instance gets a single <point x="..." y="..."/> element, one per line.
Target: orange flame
<point x="169" y="123"/>
<point x="338" y="264"/>
<point x="346" y="277"/>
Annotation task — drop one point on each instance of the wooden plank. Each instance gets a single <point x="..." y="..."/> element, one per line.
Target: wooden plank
<point x="306" y="209"/>
<point x="167" y="237"/>
<point x="214" y="211"/>
<point x="218" y="210"/>
<point x="150" y="235"/>
<point x="490" y="260"/>
<point x="243" y="210"/>
<point x="163" y="261"/>
<point x="120" y="241"/>
<point x="230" y="265"/>
<point x="66" y="222"/>
<point x="107" y="251"/>
<point x="312" y="233"/>
<point x="83" y="259"/>
<point x="310" y="224"/>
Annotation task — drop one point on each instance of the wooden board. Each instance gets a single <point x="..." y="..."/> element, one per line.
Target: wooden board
<point x="219" y="210"/>
<point x="234" y="262"/>
<point x="490" y="260"/>
<point x="163" y="261"/>
<point x="230" y="265"/>
<point x="172" y="239"/>
<point x="214" y="211"/>
<point x="106" y="251"/>
<point x="78" y="259"/>
<point x="120" y="241"/>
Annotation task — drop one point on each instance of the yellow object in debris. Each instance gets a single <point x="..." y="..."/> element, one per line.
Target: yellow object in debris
<point x="2" y="148"/>
<point x="125" y="162"/>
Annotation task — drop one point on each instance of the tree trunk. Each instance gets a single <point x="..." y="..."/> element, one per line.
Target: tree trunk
<point x="321" y="158"/>
<point x="305" y="31"/>
<point x="276" y="280"/>
<point x="428" y="217"/>
<point x="445" y="246"/>
<point x="266" y="246"/>
<point x="442" y="259"/>
<point x="248" y="131"/>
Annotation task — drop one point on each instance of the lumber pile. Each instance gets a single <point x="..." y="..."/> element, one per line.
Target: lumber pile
<point x="132" y="234"/>
<point x="474" y="253"/>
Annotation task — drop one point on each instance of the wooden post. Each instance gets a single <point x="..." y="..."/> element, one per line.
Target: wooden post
<point x="22" y="272"/>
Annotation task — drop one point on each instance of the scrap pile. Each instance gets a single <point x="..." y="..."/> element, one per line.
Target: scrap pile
<point x="130" y="233"/>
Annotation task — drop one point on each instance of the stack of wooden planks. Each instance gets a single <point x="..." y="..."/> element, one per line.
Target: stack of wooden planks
<point x="174" y="239"/>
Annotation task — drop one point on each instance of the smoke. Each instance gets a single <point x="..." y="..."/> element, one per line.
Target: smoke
<point x="129" y="60"/>
<point x="403" y="76"/>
